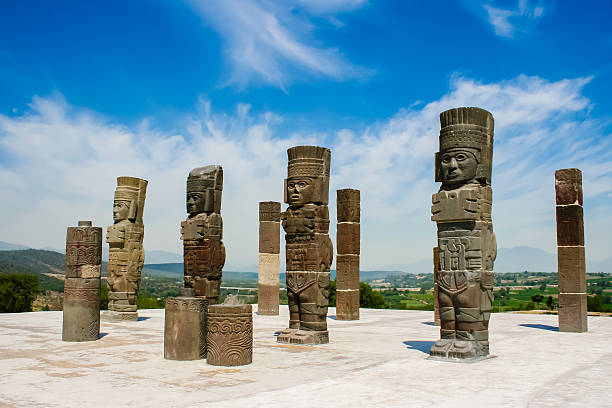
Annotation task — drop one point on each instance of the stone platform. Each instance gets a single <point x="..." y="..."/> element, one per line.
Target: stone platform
<point x="380" y="360"/>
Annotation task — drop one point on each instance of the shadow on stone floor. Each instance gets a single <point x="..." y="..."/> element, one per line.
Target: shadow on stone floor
<point x="421" y="345"/>
<point x="332" y="317"/>
<point x="430" y="323"/>
<point x="102" y="335"/>
<point x="540" y="326"/>
<point x="140" y="319"/>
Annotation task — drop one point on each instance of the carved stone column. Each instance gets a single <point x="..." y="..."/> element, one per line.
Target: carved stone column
<point x="81" y="316"/>
<point x="570" y="251"/>
<point x="126" y="254"/>
<point x="466" y="242"/>
<point x="269" y="257"/>
<point x="347" y="261"/>
<point x="230" y="335"/>
<point x="185" y="327"/>
<point x="309" y="251"/>
<point x="202" y="232"/>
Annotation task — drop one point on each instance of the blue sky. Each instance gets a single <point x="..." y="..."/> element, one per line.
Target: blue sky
<point x="92" y="91"/>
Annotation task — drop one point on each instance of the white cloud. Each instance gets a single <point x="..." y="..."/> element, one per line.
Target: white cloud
<point x="59" y="164"/>
<point x="507" y="22"/>
<point x="268" y="41"/>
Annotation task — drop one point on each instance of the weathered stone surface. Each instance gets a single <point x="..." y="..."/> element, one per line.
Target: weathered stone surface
<point x="467" y="247"/>
<point x="347" y="238"/>
<point x="81" y="305"/>
<point x="269" y="237"/>
<point x="347" y="272"/>
<point x="570" y="251"/>
<point x="269" y="211"/>
<point x="570" y="226"/>
<point x="230" y="335"/>
<point x="568" y="186"/>
<point x="347" y="304"/>
<point x="81" y="315"/>
<point x="202" y="231"/>
<point x="185" y="328"/>
<point x="348" y="202"/>
<point x="126" y="253"/>
<point x="573" y="312"/>
<point x="309" y="251"/>
<point x="268" y="299"/>
<point x="572" y="272"/>
<point x="268" y="284"/>
<point x="436" y="262"/>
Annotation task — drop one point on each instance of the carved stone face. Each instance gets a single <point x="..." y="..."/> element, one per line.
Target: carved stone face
<point x="300" y="190"/>
<point x="196" y="202"/>
<point x="458" y="166"/>
<point x="121" y="210"/>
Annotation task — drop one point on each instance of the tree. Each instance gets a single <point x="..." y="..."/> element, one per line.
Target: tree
<point x="368" y="298"/>
<point x="543" y="287"/>
<point x="550" y="302"/>
<point x="103" y="297"/>
<point x="538" y="299"/>
<point x="332" y="293"/>
<point x="17" y="292"/>
<point x="422" y="291"/>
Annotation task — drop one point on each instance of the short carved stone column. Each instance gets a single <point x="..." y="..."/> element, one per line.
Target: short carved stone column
<point x="81" y="316"/>
<point x="185" y="327"/>
<point x="269" y="257"/>
<point x="230" y="335"/>
<point x="347" y="262"/>
<point x="570" y="251"/>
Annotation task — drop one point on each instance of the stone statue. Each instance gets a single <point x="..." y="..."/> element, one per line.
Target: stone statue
<point x="269" y="258"/>
<point x="309" y="251"/>
<point x="466" y="242"/>
<point x="570" y="251"/>
<point x="81" y="315"/>
<point x="126" y="254"/>
<point x="347" y="260"/>
<point x="202" y="231"/>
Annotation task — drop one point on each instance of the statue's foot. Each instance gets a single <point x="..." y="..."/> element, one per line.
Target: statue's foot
<point x="440" y="349"/>
<point x="295" y="336"/>
<point x="468" y="350"/>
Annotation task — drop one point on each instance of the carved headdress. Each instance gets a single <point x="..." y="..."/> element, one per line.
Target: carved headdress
<point x="207" y="180"/>
<point x="312" y="162"/>
<point x="469" y="129"/>
<point x="132" y="190"/>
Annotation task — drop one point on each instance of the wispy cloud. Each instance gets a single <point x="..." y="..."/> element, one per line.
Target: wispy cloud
<point x="58" y="164"/>
<point x="272" y="42"/>
<point x="507" y="22"/>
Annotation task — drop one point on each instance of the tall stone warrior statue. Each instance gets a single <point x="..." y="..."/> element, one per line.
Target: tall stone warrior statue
<point x="202" y="231"/>
<point x="126" y="254"/>
<point x="466" y="242"/>
<point x="309" y="251"/>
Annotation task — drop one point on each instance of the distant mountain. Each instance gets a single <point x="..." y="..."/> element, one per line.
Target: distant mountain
<point x="5" y="246"/>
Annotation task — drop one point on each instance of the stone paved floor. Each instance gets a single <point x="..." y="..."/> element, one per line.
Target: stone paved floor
<point x="380" y="360"/>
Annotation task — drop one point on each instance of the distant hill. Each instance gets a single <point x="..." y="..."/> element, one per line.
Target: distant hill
<point x="35" y="262"/>
<point x="6" y="246"/>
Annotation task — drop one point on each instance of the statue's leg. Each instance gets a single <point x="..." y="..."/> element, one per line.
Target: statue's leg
<point x="294" y="311"/>
<point x="447" y="326"/>
<point x="472" y="336"/>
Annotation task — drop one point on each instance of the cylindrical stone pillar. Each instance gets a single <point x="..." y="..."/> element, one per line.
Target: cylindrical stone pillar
<point x="570" y="251"/>
<point x="347" y="260"/>
<point x="81" y="315"/>
<point x="185" y="327"/>
<point x="230" y="335"/>
<point x="269" y="257"/>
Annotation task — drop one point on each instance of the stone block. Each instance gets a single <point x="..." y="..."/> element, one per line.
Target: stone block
<point x="347" y="304"/>
<point x="81" y="315"/>
<point x="269" y="211"/>
<point x="347" y="238"/>
<point x="230" y="335"/>
<point x="568" y="186"/>
<point x="573" y="312"/>
<point x="572" y="269"/>
<point x="185" y="328"/>
<point x="267" y="299"/>
<point x="347" y="272"/>
<point x="348" y="204"/>
<point x="269" y="237"/>
<point x="269" y="267"/>
<point x="570" y="226"/>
